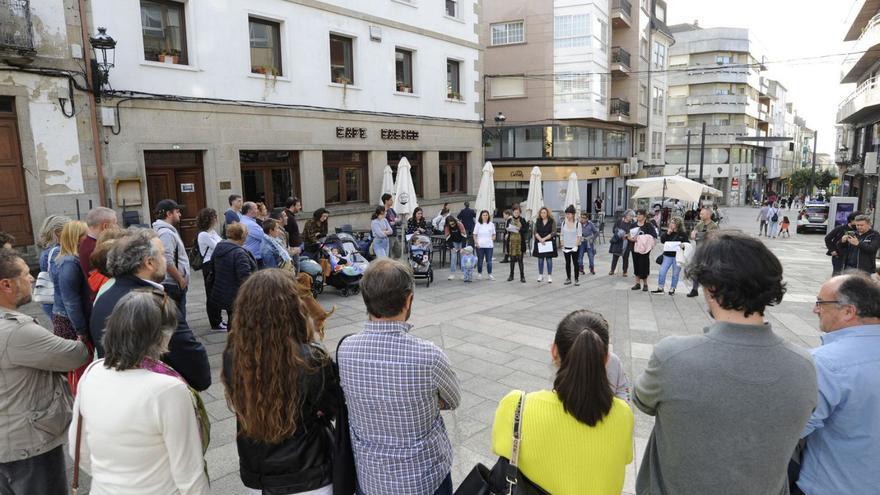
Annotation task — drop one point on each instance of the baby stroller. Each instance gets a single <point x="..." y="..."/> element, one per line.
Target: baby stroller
<point x="420" y="258"/>
<point x="347" y="265"/>
<point x="313" y="268"/>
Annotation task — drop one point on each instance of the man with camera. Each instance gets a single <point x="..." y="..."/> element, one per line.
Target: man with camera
<point x="832" y="242"/>
<point x="859" y="246"/>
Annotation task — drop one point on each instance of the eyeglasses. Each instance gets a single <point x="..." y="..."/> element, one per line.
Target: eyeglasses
<point x="820" y="302"/>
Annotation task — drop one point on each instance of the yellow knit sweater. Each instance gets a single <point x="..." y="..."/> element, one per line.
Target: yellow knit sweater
<point x="561" y="454"/>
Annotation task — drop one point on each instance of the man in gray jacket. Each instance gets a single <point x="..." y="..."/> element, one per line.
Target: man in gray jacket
<point x="730" y="404"/>
<point x="35" y="401"/>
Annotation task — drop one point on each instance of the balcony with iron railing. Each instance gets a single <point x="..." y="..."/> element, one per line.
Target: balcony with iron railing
<point x="16" y="33"/>
<point x="621" y="13"/>
<point x="620" y="62"/>
<point x="619" y="109"/>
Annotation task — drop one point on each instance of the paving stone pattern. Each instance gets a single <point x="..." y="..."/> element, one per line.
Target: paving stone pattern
<point x="497" y="335"/>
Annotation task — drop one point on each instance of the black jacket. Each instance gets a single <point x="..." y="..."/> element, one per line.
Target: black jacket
<point x="832" y="240"/>
<point x="864" y="256"/>
<point x="303" y="462"/>
<point x="185" y="353"/>
<point x="673" y="237"/>
<point x="232" y="265"/>
<point x="294" y="239"/>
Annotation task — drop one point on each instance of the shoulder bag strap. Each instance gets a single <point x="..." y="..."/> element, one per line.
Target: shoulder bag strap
<point x="79" y="423"/>
<point x="512" y="467"/>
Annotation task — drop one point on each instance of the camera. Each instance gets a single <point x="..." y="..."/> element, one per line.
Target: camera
<point x="851" y="233"/>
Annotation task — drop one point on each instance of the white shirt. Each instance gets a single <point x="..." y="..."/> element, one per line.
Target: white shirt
<point x="483" y="233"/>
<point x="207" y="242"/>
<point x="140" y="434"/>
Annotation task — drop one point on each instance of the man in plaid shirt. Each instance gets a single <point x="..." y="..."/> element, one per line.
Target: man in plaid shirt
<point x="395" y="385"/>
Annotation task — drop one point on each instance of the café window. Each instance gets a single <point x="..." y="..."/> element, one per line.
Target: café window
<point x="341" y="59"/>
<point x="453" y="81"/>
<point x="163" y="24"/>
<point x="403" y="60"/>
<point x="345" y="177"/>
<point x="269" y="176"/>
<point x="453" y="168"/>
<point x="265" y="47"/>
<point x="415" y="161"/>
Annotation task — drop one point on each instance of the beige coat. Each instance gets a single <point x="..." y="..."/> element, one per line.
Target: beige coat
<point x="35" y="401"/>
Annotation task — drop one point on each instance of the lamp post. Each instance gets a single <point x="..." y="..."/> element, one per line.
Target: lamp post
<point x="103" y="59"/>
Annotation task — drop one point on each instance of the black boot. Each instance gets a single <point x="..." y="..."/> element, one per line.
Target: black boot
<point x="505" y="260"/>
<point x="692" y="293"/>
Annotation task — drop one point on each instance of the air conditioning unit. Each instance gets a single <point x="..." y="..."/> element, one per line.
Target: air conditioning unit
<point x="871" y="162"/>
<point x="630" y="167"/>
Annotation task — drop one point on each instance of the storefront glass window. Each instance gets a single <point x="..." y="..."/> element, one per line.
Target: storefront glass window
<point x="529" y="142"/>
<point x="345" y="175"/>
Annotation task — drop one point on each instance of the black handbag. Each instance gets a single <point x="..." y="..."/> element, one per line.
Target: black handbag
<point x="344" y="473"/>
<point x="659" y="259"/>
<point x="505" y="477"/>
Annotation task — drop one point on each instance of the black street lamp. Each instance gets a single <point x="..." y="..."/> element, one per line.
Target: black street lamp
<point x="500" y="118"/>
<point x="103" y="59"/>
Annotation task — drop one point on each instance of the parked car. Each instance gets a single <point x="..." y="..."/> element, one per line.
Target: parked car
<point x="813" y="217"/>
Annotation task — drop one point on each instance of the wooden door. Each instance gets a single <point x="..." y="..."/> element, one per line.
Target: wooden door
<point x="178" y="176"/>
<point x="15" y="215"/>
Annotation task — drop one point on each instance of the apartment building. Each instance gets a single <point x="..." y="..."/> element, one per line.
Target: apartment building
<point x="858" y="116"/>
<point x="272" y="98"/>
<point x="47" y="159"/>
<point x="574" y="86"/>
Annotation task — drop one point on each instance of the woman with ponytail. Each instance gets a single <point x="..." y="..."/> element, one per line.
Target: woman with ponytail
<point x="576" y="438"/>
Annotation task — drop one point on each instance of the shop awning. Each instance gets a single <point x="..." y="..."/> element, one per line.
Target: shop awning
<point x="506" y="173"/>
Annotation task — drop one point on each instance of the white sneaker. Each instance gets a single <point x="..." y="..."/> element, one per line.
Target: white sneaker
<point x="491" y="277"/>
<point x="451" y="277"/>
<point x="479" y="276"/>
<point x="549" y="279"/>
<point x="540" y="278"/>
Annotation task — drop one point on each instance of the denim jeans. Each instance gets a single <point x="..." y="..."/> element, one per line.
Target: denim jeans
<point x="43" y="474"/>
<point x="586" y="247"/>
<point x="549" y="266"/>
<point x="774" y="228"/>
<point x="380" y="247"/>
<point x="484" y="253"/>
<point x="668" y="261"/>
<point x="455" y="256"/>
<point x="445" y="487"/>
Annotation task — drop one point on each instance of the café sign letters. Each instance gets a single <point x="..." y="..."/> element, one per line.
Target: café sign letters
<point x="387" y="134"/>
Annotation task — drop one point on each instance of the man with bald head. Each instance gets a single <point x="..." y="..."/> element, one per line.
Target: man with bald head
<point x="843" y="433"/>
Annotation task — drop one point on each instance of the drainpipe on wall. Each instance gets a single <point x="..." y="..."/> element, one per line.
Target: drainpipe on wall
<point x="96" y="136"/>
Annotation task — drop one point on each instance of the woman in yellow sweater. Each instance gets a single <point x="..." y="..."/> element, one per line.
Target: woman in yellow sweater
<point x="577" y="438"/>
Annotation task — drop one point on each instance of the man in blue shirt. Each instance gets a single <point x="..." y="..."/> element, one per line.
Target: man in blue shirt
<point x="233" y="214"/>
<point x="842" y="452"/>
<point x="255" y="235"/>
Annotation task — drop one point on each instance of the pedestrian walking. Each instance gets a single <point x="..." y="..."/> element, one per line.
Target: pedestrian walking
<point x="468" y="263"/>
<point x="138" y="428"/>
<point x="315" y="230"/>
<point x="254" y="241"/>
<point x="381" y="230"/>
<point x="484" y="240"/>
<point x="137" y="261"/>
<point x="861" y="246"/>
<point x="784" y="226"/>
<point x="619" y="246"/>
<point x="391" y="377"/>
<point x="764" y="219"/>
<point x="701" y="229"/>
<point x="50" y="239"/>
<point x="674" y="240"/>
<point x="456" y="237"/>
<point x="467" y="216"/>
<point x="34" y="395"/>
<point x="597" y="207"/>
<point x="516" y="242"/>
<point x="545" y="243"/>
<point x="282" y="387"/>
<point x="571" y="242"/>
<point x="842" y="436"/>
<point x="729" y="404"/>
<point x="774" y="221"/>
<point x="393" y="218"/>
<point x="571" y="445"/>
<point x="835" y="248"/>
<point x="206" y="242"/>
<point x="589" y="234"/>
<point x="176" y="280"/>
<point x="232" y="266"/>
<point x="643" y="236"/>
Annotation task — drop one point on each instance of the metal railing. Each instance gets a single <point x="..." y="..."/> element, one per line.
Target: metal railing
<point x="16" y="31"/>
<point x="619" y="107"/>
<point x="623" y="6"/>
<point x="620" y="56"/>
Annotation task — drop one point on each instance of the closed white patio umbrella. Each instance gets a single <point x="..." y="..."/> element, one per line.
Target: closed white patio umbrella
<point x="387" y="182"/>
<point x="486" y="192"/>
<point x="674" y="186"/>
<point x="405" y="200"/>
<point x="572" y="195"/>
<point x="535" y="199"/>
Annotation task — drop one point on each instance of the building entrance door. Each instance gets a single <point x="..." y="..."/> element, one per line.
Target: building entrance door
<point x="177" y="175"/>
<point x="15" y="215"/>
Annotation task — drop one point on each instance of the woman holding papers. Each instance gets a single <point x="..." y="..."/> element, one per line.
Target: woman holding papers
<point x="673" y="241"/>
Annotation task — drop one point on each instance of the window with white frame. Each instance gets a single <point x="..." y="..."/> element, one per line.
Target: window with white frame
<point x="507" y="87"/>
<point x="659" y="55"/>
<point x="571" y="87"/>
<point x="506" y="33"/>
<point x="643" y="95"/>
<point x="659" y="101"/>
<point x="403" y="61"/>
<point x="723" y="59"/>
<point x="452" y="8"/>
<point x="642" y="139"/>
<point x="603" y="88"/>
<point x="603" y="35"/>
<point x="453" y="79"/>
<point x="643" y="49"/>
<point x="163" y="27"/>
<point x="265" y="41"/>
<point x="656" y="145"/>
<point x="341" y="59"/>
<point x="571" y="31"/>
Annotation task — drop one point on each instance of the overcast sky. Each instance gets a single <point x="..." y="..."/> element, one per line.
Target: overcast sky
<point x="788" y="29"/>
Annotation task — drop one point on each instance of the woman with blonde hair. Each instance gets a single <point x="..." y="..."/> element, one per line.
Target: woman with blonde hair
<point x="283" y="388"/>
<point x="50" y="233"/>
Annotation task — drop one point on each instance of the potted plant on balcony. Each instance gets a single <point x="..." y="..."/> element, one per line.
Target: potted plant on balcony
<point x="169" y="56"/>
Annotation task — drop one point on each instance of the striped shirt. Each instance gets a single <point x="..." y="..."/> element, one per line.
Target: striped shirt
<point x="394" y="384"/>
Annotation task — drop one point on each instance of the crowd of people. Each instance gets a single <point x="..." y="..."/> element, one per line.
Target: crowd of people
<point x="117" y="378"/>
